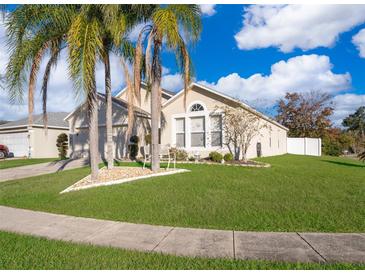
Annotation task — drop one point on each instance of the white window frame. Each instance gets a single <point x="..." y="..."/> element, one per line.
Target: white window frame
<point x="187" y="115"/>
<point x="204" y="131"/>
<point x="180" y="132"/>
<point x="220" y="131"/>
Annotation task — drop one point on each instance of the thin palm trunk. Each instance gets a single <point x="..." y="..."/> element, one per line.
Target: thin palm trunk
<point x="109" y="117"/>
<point x="94" y="134"/>
<point x="155" y="106"/>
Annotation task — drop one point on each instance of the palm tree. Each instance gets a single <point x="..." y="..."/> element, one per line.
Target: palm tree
<point x="33" y="32"/>
<point x="169" y="23"/>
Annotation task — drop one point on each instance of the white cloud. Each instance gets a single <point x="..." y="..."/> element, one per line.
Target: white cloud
<point x="346" y="104"/>
<point x="208" y="9"/>
<point x="359" y="41"/>
<point x="172" y="82"/>
<point x="296" y="26"/>
<point x="134" y="33"/>
<point x="298" y="74"/>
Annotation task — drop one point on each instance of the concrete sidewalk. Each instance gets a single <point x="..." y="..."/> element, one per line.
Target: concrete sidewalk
<point x="40" y="169"/>
<point x="287" y="247"/>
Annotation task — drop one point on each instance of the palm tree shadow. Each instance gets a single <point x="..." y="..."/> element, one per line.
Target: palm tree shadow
<point x="343" y="163"/>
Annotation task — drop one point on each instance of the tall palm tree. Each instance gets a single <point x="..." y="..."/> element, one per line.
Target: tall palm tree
<point x="34" y="31"/>
<point x="169" y="23"/>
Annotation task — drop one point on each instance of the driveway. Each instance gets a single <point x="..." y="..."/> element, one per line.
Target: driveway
<point x="40" y="169"/>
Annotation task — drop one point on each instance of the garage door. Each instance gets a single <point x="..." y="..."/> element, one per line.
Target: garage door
<point x="16" y="142"/>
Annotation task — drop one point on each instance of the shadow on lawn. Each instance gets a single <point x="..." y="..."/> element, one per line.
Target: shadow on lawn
<point x="343" y="164"/>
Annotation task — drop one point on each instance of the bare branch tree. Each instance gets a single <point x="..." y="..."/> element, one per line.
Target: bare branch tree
<point x="240" y="127"/>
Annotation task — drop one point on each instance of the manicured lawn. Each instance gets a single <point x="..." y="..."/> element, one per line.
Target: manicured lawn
<point x="26" y="252"/>
<point x="23" y="162"/>
<point x="298" y="193"/>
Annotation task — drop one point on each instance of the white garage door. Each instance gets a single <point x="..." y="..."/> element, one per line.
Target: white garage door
<point x="16" y="142"/>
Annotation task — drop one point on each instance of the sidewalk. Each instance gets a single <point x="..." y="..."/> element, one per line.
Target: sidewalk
<point x="40" y="169"/>
<point x="275" y="246"/>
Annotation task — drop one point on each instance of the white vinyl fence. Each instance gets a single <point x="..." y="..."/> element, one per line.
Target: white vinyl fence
<point x="304" y="146"/>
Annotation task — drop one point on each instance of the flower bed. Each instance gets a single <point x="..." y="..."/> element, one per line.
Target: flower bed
<point x="119" y="175"/>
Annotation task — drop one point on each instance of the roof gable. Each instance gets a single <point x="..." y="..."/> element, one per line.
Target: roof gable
<point x="225" y="99"/>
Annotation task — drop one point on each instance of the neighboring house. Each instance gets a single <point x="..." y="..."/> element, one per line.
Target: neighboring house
<point x="34" y="141"/>
<point x="196" y="128"/>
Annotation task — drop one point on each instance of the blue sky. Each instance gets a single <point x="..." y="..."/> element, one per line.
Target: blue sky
<point x="257" y="53"/>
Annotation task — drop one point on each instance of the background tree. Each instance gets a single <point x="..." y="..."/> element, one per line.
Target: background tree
<point x="62" y="145"/>
<point x="305" y="115"/>
<point x="356" y="122"/>
<point x="240" y="127"/>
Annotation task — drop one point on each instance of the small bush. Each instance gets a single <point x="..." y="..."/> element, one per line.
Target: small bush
<point x="191" y="158"/>
<point x="133" y="147"/>
<point x="228" y="157"/>
<point x="181" y="155"/>
<point x="134" y="139"/>
<point x="62" y="145"/>
<point x="147" y="139"/>
<point x="215" y="156"/>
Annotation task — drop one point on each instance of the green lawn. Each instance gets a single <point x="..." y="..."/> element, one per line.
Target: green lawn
<point x="9" y="163"/>
<point x="298" y="193"/>
<point x="26" y="252"/>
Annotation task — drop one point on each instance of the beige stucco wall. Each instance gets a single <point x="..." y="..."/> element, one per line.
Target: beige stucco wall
<point x="211" y="102"/>
<point x="145" y="99"/>
<point x="80" y="135"/>
<point x="44" y="145"/>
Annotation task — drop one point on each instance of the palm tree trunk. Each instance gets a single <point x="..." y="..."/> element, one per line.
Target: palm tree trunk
<point x="108" y="115"/>
<point x="155" y="106"/>
<point x="94" y="138"/>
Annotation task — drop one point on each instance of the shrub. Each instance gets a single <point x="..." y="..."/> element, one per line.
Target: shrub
<point x="215" y="156"/>
<point x="181" y="155"/>
<point x="134" y="139"/>
<point x="147" y="139"/>
<point x="228" y="157"/>
<point x="331" y="147"/>
<point x="191" y="158"/>
<point x="133" y="147"/>
<point x="62" y="145"/>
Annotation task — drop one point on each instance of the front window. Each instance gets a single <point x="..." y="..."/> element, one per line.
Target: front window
<point x="180" y="132"/>
<point x="197" y="132"/>
<point x="196" y="107"/>
<point x="216" y="130"/>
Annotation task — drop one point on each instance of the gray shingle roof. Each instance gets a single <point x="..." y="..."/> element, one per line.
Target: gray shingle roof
<point x="55" y="119"/>
<point x="124" y="104"/>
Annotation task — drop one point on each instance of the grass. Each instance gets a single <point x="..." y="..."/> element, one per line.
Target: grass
<point x="7" y="163"/>
<point x="27" y="252"/>
<point x="298" y="193"/>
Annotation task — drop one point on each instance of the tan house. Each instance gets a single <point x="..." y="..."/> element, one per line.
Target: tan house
<point x="33" y="141"/>
<point x="196" y="128"/>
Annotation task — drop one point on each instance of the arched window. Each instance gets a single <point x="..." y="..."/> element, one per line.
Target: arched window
<point x="196" y="107"/>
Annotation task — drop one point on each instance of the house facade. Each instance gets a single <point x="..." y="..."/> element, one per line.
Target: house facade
<point x="33" y="141"/>
<point x="195" y="126"/>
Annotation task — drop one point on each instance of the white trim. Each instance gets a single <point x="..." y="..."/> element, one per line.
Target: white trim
<point x="121" y="92"/>
<point x="33" y="125"/>
<point x="247" y="107"/>
<point x="144" y="84"/>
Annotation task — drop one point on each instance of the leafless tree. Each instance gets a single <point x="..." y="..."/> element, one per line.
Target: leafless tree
<point x="240" y="127"/>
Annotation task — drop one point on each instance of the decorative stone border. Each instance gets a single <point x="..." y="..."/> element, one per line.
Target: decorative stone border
<point x="259" y="164"/>
<point x="122" y="181"/>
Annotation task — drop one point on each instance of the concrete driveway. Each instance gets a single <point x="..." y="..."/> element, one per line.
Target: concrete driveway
<point x="40" y="169"/>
